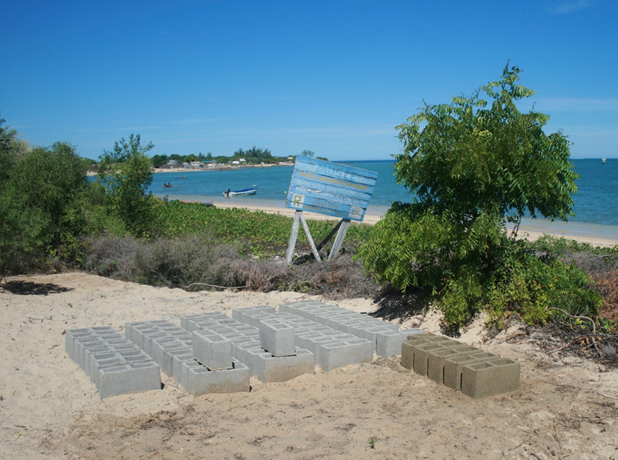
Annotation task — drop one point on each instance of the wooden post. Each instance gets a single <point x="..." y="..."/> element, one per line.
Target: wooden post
<point x="330" y="235"/>
<point x="293" y="236"/>
<point x="315" y="252"/>
<point x="345" y="224"/>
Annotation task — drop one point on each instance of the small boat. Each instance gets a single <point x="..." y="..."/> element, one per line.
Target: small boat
<point x="183" y="177"/>
<point x="168" y="185"/>
<point x="248" y="191"/>
<point x="603" y="160"/>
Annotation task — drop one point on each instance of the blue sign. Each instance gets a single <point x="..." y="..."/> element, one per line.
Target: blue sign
<point x="330" y="188"/>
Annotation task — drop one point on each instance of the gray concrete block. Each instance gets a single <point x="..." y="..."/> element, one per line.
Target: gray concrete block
<point x="99" y="359"/>
<point x="252" y="315"/>
<point x="89" y="352"/>
<point x="490" y="378"/>
<point x="178" y="358"/>
<point x="389" y="343"/>
<point x="201" y="381"/>
<point x="169" y="351"/>
<point x="185" y="367"/>
<point x="70" y="336"/>
<point x="277" y="338"/>
<point x="269" y="368"/>
<point x="338" y="353"/>
<point x="158" y="347"/>
<point x="126" y="378"/>
<point x="212" y="350"/>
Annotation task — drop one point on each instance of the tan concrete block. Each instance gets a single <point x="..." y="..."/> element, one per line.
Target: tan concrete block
<point x="407" y="347"/>
<point x="422" y="351"/>
<point x="490" y="378"/>
<point x="407" y="355"/>
<point x="436" y="360"/>
<point x="453" y="366"/>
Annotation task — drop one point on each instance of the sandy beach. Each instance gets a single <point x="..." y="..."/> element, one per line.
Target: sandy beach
<point x="565" y="408"/>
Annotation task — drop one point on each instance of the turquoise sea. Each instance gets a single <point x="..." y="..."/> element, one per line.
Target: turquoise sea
<point x="596" y="203"/>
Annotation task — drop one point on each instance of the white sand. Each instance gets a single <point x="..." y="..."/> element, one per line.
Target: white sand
<point x="50" y="409"/>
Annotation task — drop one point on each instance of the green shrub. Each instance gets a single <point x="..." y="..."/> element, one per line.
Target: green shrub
<point x="474" y="166"/>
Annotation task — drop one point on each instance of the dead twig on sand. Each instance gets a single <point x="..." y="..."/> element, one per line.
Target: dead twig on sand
<point x="186" y="288"/>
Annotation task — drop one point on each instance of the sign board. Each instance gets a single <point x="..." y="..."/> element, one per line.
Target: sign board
<point x="330" y="188"/>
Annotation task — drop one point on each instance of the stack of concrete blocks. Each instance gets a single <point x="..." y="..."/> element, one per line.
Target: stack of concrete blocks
<point x="476" y="373"/>
<point x="386" y="337"/>
<point x="331" y="348"/>
<point x="276" y="363"/>
<point x="185" y="357"/>
<point x="114" y="364"/>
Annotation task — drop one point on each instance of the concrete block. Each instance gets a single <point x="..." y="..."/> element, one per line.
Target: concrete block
<point x="252" y="315"/>
<point x="490" y="378"/>
<point x="212" y="350"/>
<point x="201" y="381"/>
<point x="169" y="351"/>
<point x="389" y="343"/>
<point x="453" y="366"/>
<point x="103" y="358"/>
<point x="158" y="347"/>
<point x="178" y="358"/>
<point x="128" y="378"/>
<point x="407" y="355"/>
<point x="422" y="351"/>
<point x="70" y="337"/>
<point x="277" y="338"/>
<point x="339" y="353"/>
<point x="268" y="368"/>
<point x="436" y="360"/>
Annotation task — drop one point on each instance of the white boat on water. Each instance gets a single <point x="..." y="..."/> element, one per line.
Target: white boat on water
<point x="248" y="191"/>
<point x="603" y="160"/>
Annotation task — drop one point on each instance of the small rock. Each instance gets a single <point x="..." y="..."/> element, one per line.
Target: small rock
<point x="609" y="351"/>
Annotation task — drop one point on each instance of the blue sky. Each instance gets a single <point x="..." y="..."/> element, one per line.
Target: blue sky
<point x="334" y="76"/>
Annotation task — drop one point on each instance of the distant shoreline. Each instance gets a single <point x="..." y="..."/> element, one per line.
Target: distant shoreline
<point x="210" y="168"/>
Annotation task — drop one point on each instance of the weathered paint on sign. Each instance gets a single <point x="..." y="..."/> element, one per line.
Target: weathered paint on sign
<point x="330" y="188"/>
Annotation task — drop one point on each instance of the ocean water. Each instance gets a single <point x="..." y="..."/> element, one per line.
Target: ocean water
<point x="596" y="203"/>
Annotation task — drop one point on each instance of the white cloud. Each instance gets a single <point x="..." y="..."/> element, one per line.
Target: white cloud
<point x="570" y="6"/>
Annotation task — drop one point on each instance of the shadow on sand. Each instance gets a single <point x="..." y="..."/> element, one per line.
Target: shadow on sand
<point x="31" y="288"/>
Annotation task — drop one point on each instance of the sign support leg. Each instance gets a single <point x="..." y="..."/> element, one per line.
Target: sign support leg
<point x="345" y="224"/>
<point x="330" y="235"/>
<point x="293" y="236"/>
<point x="315" y="252"/>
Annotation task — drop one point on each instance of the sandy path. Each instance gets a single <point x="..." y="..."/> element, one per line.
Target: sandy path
<point x="49" y="409"/>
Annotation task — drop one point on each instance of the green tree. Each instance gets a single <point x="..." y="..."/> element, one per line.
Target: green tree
<point x="159" y="160"/>
<point x="40" y="207"/>
<point x="474" y="166"/>
<point x="125" y="172"/>
<point x="8" y="152"/>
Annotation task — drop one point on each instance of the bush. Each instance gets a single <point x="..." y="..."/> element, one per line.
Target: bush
<point x="194" y="258"/>
<point x="475" y="166"/>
